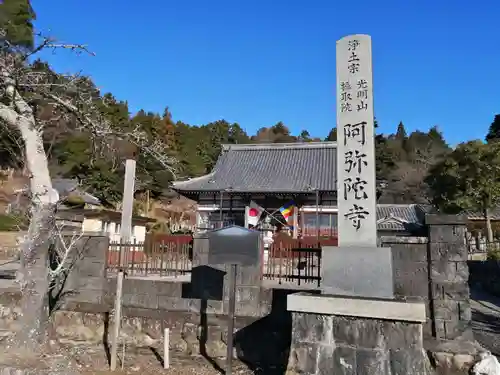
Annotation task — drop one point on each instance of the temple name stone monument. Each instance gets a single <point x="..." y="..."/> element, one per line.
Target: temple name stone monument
<point x="356" y="326"/>
<point x="357" y="267"/>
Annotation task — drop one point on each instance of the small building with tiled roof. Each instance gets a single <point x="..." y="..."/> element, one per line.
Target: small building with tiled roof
<point x="401" y="219"/>
<point x="272" y="175"/>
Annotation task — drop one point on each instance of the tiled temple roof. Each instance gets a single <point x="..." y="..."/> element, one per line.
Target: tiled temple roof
<point x="274" y="167"/>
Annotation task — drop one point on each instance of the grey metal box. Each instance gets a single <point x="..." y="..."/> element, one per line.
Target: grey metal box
<point x="234" y="245"/>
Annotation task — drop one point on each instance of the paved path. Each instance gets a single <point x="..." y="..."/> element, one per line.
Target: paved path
<point x="486" y="319"/>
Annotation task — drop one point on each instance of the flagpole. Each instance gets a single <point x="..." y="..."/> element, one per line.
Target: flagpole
<point x="317" y="216"/>
<point x="246" y="216"/>
<point x="220" y="208"/>
<point x="295" y="227"/>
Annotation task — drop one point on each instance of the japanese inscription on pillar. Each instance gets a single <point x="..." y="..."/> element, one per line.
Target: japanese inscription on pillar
<point x="357" y="221"/>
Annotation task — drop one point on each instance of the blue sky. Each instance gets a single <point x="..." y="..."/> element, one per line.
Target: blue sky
<point x="263" y="61"/>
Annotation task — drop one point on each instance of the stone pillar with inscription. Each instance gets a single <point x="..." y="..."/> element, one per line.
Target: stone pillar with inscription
<point x="357" y="267"/>
<point x="357" y="299"/>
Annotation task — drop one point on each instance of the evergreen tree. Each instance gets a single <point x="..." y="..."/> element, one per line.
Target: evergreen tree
<point x="332" y="136"/>
<point x="16" y="19"/>
<point x="494" y="130"/>
<point x="304" y="136"/>
<point x="401" y="132"/>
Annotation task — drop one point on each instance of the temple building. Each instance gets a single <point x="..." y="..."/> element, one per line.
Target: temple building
<point x="272" y="175"/>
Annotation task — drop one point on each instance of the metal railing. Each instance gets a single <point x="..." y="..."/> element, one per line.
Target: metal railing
<point x="296" y="261"/>
<point x="300" y="266"/>
<point x="288" y="260"/>
<point x="168" y="256"/>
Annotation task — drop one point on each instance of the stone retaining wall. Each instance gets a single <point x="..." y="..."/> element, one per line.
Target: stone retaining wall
<point x="180" y="296"/>
<point x="260" y="342"/>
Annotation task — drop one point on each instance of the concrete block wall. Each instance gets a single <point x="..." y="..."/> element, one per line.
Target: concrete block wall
<point x="179" y="296"/>
<point x="434" y="270"/>
<point x="449" y="274"/>
<point x="411" y="271"/>
<point x="86" y="280"/>
<point x="87" y="283"/>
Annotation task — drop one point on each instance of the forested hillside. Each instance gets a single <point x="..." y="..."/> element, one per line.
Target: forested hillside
<point x="402" y="160"/>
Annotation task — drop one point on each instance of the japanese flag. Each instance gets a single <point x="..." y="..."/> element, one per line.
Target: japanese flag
<point x="253" y="213"/>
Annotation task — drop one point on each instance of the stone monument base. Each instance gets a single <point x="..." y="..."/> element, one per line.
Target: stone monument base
<point x="356" y="336"/>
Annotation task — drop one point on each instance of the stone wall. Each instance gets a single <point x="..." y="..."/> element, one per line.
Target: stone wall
<point x="356" y="346"/>
<point x="205" y="291"/>
<point x="434" y="270"/>
<point x="410" y="266"/>
<point x="449" y="275"/>
<point x="182" y="296"/>
<point x="195" y="309"/>
<point x="86" y="279"/>
<point x="192" y="333"/>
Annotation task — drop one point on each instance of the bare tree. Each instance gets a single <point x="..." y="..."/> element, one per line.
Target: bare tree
<point x="72" y="98"/>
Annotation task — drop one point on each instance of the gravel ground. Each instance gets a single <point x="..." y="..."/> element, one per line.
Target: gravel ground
<point x="93" y="361"/>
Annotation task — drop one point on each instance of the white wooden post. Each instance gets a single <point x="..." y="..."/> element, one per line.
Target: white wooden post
<point x="128" y="201"/>
<point x="118" y="318"/>
<point x="125" y="236"/>
<point x="166" y="351"/>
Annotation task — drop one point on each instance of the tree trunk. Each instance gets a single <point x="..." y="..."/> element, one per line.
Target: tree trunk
<point x="489" y="230"/>
<point x="34" y="279"/>
<point x="33" y="275"/>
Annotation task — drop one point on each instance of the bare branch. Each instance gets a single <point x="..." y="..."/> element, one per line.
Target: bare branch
<point x="101" y="127"/>
<point x="74" y="100"/>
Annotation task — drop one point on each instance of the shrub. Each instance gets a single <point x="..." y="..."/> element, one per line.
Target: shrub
<point x="493" y="251"/>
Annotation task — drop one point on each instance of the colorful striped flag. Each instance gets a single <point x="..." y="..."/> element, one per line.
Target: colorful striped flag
<point x="287" y="209"/>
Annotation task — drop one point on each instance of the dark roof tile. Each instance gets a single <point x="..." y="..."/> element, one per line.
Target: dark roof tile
<point x="276" y="167"/>
<point x="400" y="216"/>
<point x="66" y="187"/>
